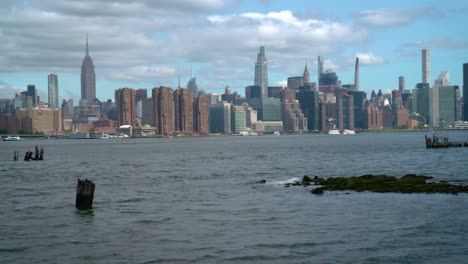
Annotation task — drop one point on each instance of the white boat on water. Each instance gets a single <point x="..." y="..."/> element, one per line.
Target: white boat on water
<point x="12" y="139"/>
<point x="334" y="132"/>
<point x="276" y="133"/>
<point x="348" y="132"/>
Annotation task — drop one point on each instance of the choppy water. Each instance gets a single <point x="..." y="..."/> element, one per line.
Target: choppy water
<point x="193" y="200"/>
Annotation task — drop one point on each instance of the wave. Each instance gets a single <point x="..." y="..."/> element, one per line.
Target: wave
<point x="291" y="180"/>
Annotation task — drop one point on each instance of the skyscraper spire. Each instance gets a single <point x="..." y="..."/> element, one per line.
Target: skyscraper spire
<point x="179" y="80"/>
<point x="87" y="49"/>
<point x="306" y="75"/>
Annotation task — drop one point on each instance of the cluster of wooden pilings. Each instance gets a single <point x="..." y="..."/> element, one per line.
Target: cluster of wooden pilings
<point x="29" y="155"/>
<point x="443" y="142"/>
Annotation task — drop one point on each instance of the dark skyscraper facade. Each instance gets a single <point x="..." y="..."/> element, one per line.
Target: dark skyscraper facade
<point x="88" y="78"/>
<point x="183" y="111"/>
<point x="261" y="72"/>
<point x="201" y="109"/>
<point x="163" y="109"/>
<point x="465" y="92"/>
<point x="309" y="103"/>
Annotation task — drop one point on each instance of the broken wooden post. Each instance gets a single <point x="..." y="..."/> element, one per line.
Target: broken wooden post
<point x="41" y="155"/>
<point x="84" y="194"/>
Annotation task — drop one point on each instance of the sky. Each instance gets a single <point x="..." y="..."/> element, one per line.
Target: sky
<point x="146" y="44"/>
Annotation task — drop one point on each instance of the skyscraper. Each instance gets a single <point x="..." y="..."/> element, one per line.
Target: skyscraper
<point x="201" y="109"/>
<point x="426" y="66"/>
<point x="401" y="84"/>
<point x="53" y="91"/>
<point x="356" y="75"/>
<point x="465" y="92"/>
<point x="126" y="106"/>
<point x="183" y="111"/>
<point x="88" y="77"/>
<point x="261" y="72"/>
<point x="192" y="85"/>
<point x="306" y="75"/>
<point x="163" y="109"/>
<point x="320" y="63"/>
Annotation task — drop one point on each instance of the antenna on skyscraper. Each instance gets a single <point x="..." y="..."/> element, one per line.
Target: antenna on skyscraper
<point x="87" y="48"/>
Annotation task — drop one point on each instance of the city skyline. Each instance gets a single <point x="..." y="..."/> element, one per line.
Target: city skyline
<point x="290" y="32"/>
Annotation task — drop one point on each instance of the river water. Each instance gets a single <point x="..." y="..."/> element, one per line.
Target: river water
<point x="195" y="200"/>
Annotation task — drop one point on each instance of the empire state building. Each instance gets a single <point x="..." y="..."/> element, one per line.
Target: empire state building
<point x="88" y="78"/>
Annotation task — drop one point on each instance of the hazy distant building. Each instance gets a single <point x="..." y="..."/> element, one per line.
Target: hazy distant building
<point x="356" y="75"/>
<point x="444" y="105"/>
<point x="359" y="98"/>
<point x="125" y="106"/>
<point x="192" y="85"/>
<point x="423" y="100"/>
<point x="229" y="97"/>
<point x="288" y="94"/>
<point x="261" y="72"/>
<point x="201" y="111"/>
<point x="426" y="66"/>
<point x="253" y="91"/>
<point x="271" y="109"/>
<point x="220" y="118"/>
<point x="320" y="69"/>
<point x="29" y="97"/>
<point x="373" y="118"/>
<point x="183" y="111"/>
<point x="295" y="82"/>
<point x="401" y="118"/>
<point x="250" y="115"/>
<point x="43" y="120"/>
<point x="292" y="116"/>
<point x="88" y="77"/>
<point x="53" y="91"/>
<point x="163" y="109"/>
<point x="401" y="84"/>
<point x="465" y="92"/>
<point x="213" y="98"/>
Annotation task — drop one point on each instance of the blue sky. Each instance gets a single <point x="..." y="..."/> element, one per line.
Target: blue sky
<point x="143" y="44"/>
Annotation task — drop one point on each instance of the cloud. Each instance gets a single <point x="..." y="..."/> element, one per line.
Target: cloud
<point x="390" y="18"/>
<point x="438" y="43"/>
<point x="133" y="41"/>
<point x="369" y="58"/>
<point x="7" y="91"/>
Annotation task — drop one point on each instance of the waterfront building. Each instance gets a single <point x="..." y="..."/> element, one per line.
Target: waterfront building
<point x="327" y="115"/>
<point x="220" y="118"/>
<point x="309" y="103"/>
<point x="88" y="77"/>
<point x="38" y="120"/>
<point x="444" y="105"/>
<point x="125" y="106"/>
<point x="183" y="111"/>
<point x="401" y="118"/>
<point x="261" y="72"/>
<point x="163" y="110"/>
<point x="345" y="111"/>
<point x="426" y="66"/>
<point x="53" y="91"/>
<point x="374" y="117"/>
<point x="201" y="110"/>
<point x="359" y="97"/>
<point x="292" y="116"/>
<point x="238" y="119"/>
<point x="386" y="117"/>
<point x="250" y="115"/>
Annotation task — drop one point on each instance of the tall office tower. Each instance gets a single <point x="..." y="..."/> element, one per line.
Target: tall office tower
<point x="423" y="103"/>
<point x="183" y="111"/>
<point x="125" y="106"/>
<point x="295" y="82"/>
<point x="426" y="66"/>
<point x="356" y="75"/>
<point x="306" y="75"/>
<point x="201" y="110"/>
<point x="238" y="119"/>
<point x="401" y="84"/>
<point x="309" y="103"/>
<point x="320" y="71"/>
<point x="163" y="109"/>
<point x="359" y="98"/>
<point x="220" y="118"/>
<point x="147" y="111"/>
<point x="465" y="92"/>
<point x="192" y="85"/>
<point x="53" y="91"/>
<point x="345" y="111"/>
<point x="261" y="72"/>
<point x="88" y="78"/>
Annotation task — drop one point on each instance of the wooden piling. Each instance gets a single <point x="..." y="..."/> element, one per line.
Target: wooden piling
<point x="84" y="194"/>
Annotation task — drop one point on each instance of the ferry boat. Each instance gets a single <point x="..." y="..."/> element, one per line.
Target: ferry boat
<point x="348" y="132"/>
<point x="334" y="132"/>
<point x="12" y="139"/>
<point x="276" y="133"/>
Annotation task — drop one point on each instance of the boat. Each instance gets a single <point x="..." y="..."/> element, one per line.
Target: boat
<point x="276" y="133"/>
<point x="349" y="132"/>
<point x="334" y="132"/>
<point x="12" y="139"/>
